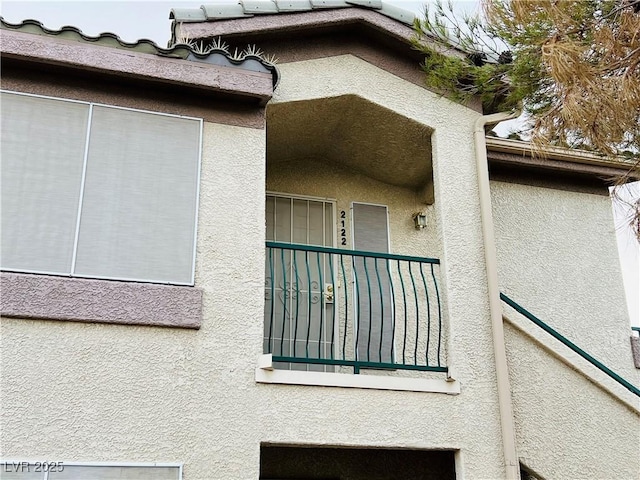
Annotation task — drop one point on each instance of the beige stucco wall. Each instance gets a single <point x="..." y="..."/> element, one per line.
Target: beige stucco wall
<point x="470" y="419"/>
<point x="328" y="180"/>
<point x="557" y="257"/>
<point x="88" y="392"/>
<point x="566" y="426"/>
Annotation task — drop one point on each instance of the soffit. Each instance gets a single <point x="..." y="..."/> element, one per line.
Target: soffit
<point x="353" y="132"/>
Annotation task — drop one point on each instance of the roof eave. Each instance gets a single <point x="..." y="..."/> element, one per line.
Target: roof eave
<point x="297" y="21"/>
<point x="520" y="147"/>
<point x="236" y="82"/>
<point x="521" y="154"/>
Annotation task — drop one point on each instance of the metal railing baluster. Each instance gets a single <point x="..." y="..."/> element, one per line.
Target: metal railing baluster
<point x="366" y="273"/>
<point x="404" y="301"/>
<point x="273" y="298"/>
<point x="284" y="300"/>
<point x="375" y="263"/>
<point x="415" y="297"/>
<point x="295" y="331"/>
<point x="393" y="314"/>
<point x="346" y="307"/>
<point x="320" y="303"/>
<point x="435" y="284"/>
<point x="333" y="322"/>
<point x="352" y="337"/>
<point x="306" y="345"/>
<point x="426" y="294"/>
<point x="356" y="300"/>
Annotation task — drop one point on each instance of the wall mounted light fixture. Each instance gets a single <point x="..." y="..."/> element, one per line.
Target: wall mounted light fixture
<point x="420" y="220"/>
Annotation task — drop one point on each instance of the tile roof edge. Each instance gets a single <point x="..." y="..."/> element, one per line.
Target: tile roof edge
<point x="82" y="36"/>
<point x="179" y="50"/>
<point x="233" y="10"/>
<point x="134" y="65"/>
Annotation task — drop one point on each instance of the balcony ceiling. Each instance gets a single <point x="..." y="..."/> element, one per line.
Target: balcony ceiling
<point x="354" y="133"/>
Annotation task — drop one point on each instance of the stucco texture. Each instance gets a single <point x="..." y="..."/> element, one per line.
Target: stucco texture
<point x="567" y="427"/>
<point x="89" y="392"/>
<point x="330" y="180"/>
<point x="557" y="257"/>
<point x="106" y="301"/>
<point x="375" y="418"/>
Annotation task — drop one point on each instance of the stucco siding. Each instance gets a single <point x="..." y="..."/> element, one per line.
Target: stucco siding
<point x="557" y="257"/>
<point x="566" y="426"/>
<point x="472" y="417"/>
<point x="328" y="180"/>
<point x="92" y="392"/>
<point x="87" y="392"/>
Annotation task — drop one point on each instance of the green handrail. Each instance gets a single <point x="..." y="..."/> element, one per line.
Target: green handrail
<point x="632" y="388"/>
<point x="353" y="253"/>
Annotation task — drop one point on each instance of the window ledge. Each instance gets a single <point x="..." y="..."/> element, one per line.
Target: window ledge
<point x="265" y="373"/>
<point x="45" y="297"/>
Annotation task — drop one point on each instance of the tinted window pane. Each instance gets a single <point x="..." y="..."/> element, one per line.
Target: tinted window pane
<point x="138" y="212"/>
<point x="42" y="149"/>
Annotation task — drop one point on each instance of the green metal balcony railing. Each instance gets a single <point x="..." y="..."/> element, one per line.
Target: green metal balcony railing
<point x="558" y="336"/>
<point x="327" y="309"/>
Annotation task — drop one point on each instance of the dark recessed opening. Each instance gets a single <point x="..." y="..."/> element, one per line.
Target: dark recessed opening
<point x="318" y="463"/>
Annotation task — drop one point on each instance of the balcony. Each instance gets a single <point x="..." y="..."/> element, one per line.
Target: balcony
<point x="343" y="311"/>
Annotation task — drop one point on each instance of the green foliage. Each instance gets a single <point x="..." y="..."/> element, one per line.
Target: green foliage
<point x="503" y="85"/>
<point x="461" y="60"/>
<point x="572" y="65"/>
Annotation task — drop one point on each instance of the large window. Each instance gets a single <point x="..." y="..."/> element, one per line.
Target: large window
<point x="98" y="191"/>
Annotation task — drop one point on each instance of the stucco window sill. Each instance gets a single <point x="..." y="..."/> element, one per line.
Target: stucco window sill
<point x="265" y="373"/>
<point x="46" y="297"/>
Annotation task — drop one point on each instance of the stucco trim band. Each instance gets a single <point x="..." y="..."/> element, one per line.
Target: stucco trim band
<point x="125" y="63"/>
<point x="45" y="297"/>
<point x="266" y="374"/>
